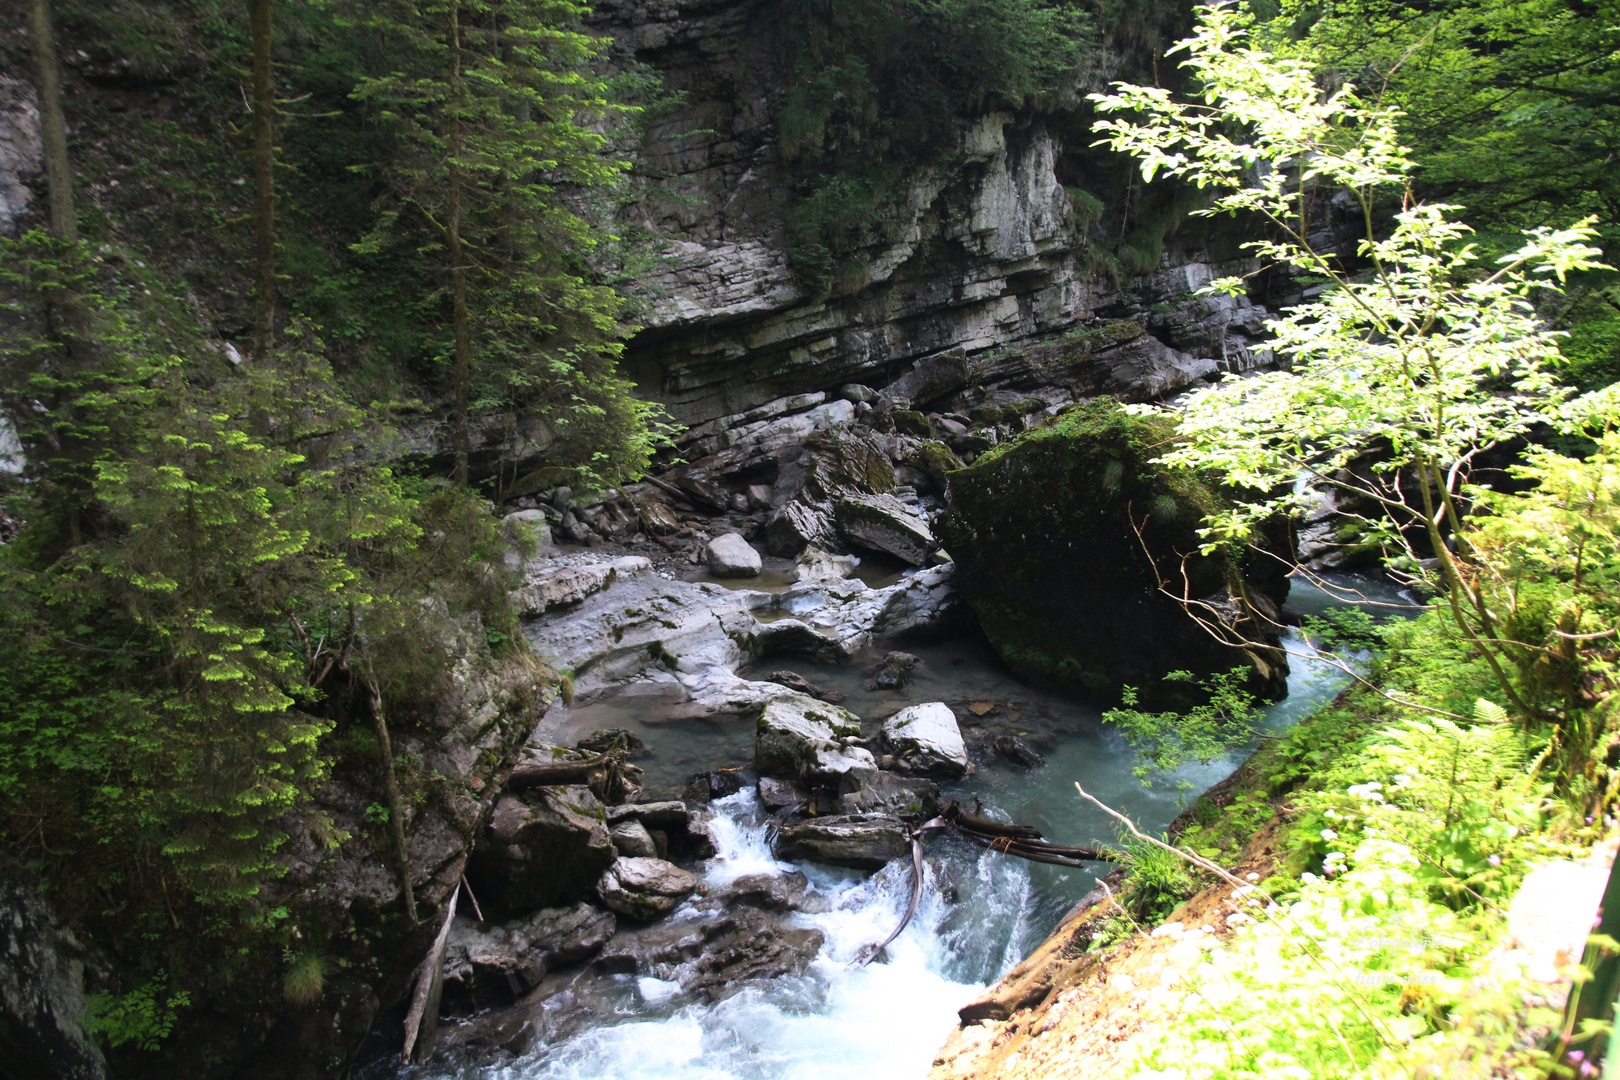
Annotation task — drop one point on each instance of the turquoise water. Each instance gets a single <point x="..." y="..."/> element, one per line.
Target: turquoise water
<point x="982" y="912"/>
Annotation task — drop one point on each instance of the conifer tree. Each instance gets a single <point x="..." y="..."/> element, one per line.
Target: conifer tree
<point x="490" y="103"/>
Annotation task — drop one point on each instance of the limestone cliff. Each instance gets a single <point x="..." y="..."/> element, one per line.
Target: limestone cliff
<point x="997" y="246"/>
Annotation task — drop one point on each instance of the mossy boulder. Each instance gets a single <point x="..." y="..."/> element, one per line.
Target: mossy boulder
<point x="1048" y="533"/>
<point x="911" y="422"/>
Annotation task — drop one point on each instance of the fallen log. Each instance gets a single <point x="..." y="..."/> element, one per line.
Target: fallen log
<point x="609" y="776"/>
<point x="1024" y="841"/>
<point x="1043" y="853"/>
<point x="961" y="819"/>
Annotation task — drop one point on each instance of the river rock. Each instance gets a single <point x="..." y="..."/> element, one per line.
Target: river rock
<point x="794" y="681"/>
<point x="547" y="847"/>
<point x="1061" y="539"/>
<point x="860" y="841"/>
<point x="931" y="378"/>
<point x="775" y="893"/>
<point x="712" y="958"/>
<point x="633" y="841"/>
<point x="798" y="737"/>
<point x="562" y="1005"/>
<point x="883" y="523"/>
<point x="835" y="466"/>
<point x="669" y="814"/>
<point x="1018" y="752"/>
<point x="656" y="519"/>
<point x="486" y="965"/>
<point x="895" y="672"/>
<point x="779" y="794"/>
<point x="885" y="793"/>
<point x="645" y="888"/>
<point x="729" y="556"/>
<point x="926" y="740"/>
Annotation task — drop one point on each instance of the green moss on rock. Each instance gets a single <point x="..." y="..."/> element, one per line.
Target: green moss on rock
<point x="911" y="422"/>
<point x="1048" y="533"/>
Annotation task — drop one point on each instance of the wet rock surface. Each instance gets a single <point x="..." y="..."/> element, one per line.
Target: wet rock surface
<point x="645" y="888"/>
<point x="883" y="523"/>
<point x="926" y="741"/>
<point x="800" y="738"/>
<point x="894" y="673"/>
<point x="494" y="964"/>
<point x="858" y="841"/>
<point x="1061" y="541"/>
<point x="547" y="846"/>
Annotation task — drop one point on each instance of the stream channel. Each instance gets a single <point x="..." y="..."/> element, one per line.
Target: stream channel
<point x="981" y="912"/>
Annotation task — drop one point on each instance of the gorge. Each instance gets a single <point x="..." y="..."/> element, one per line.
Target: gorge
<point x="516" y="576"/>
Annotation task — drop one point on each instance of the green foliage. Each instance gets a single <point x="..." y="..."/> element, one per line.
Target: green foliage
<point x="1510" y="106"/>
<point x="143" y="1017"/>
<point x="1428" y="359"/>
<point x="1224" y="720"/>
<point x="203" y="547"/>
<point x="1343" y="628"/>
<point x="305" y="979"/>
<point x="880" y="87"/>
<point x="490" y="123"/>
<point x="1362" y="955"/>
<point x="1156" y="880"/>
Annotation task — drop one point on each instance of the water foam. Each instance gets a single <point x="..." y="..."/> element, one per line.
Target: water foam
<point x="884" y="1020"/>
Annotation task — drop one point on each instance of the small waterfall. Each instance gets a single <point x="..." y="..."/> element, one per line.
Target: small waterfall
<point x="882" y="1020"/>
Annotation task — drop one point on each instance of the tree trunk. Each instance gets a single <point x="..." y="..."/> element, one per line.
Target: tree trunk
<point x="396" y="805"/>
<point x="458" y="259"/>
<point x="52" y="121"/>
<point x="264" y="175"/>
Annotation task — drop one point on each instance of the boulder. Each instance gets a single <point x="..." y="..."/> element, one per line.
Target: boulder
<point x="645" y="888"/>
<point x="535" y="522"/>
<point x="1018" y="752"/>
<point x="931" y="378"/>
<point x="486" y="965"/>
<point x="926" y="741"/>
<point x="548" y="847"/>
<point x="670" y="814"/>
<point x="729" y="556"/>
<point x="656" y="519"/>
<point x="633" y="841"/>
<point x="796" y="526"/>
<point x="567" y="935"/>
<point x="883" y="523"/>
<point x="835" y="465"/>
<point x="798" y="737"/>
<point x="1060" y="539"/>
<point x="715" y="957"/>
<point x="815" y="565"/>
<point x="859" y="841"/>
<point x="794" y="681"/>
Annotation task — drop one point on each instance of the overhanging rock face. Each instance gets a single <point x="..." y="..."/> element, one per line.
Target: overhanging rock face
<point x="988" y="251"/>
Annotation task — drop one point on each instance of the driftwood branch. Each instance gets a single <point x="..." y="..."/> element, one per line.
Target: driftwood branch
<point x="429" y="985"/>
<point x="869" y="953"/>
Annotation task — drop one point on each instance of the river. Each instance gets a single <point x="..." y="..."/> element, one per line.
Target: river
<point x="981" y="912"/>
